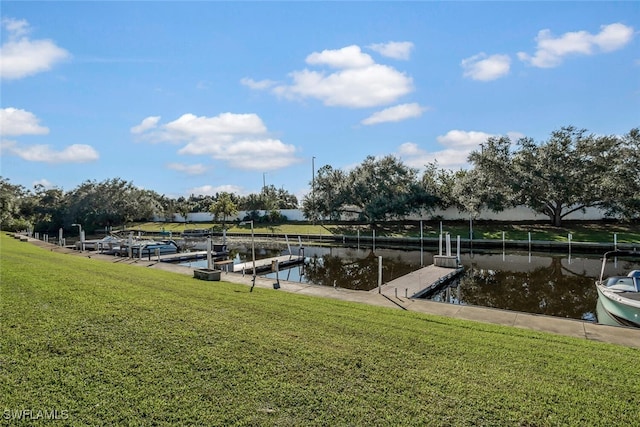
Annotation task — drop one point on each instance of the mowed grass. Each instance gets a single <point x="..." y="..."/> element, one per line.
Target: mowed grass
<point x="581" y="231"/>
<point x="115" y="344"/>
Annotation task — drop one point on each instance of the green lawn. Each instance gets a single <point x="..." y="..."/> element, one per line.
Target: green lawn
<point x="113" y="344"/>
<point x="599" y="232"/>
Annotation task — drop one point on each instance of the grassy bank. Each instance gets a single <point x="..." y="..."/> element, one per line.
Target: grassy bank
<point x="113" y="344"/>
<point x="595" y="232"/>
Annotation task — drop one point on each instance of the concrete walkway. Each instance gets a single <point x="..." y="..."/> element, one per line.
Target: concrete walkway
<point x="574" y="328"/>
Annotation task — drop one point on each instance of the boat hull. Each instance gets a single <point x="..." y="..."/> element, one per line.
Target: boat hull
<point x="624" y="310"/>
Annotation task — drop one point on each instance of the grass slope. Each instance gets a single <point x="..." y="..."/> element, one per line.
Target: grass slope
<point x="121" y="345"/>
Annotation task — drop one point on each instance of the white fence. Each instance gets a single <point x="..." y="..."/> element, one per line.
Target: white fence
<point x="514" y="214"/>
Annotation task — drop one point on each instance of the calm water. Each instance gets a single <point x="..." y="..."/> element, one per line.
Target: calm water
<point x="552" y="284"/>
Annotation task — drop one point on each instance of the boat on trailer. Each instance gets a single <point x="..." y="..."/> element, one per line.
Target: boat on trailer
<point x="620" y="295"/>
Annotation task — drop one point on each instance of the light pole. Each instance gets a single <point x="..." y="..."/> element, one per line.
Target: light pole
<point x="80" y="233"/>
<point x="313" y="189"/>
<point x="253" y="253"/>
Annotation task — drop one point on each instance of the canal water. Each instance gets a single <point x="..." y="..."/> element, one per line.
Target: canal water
<point x="560" y="285"/>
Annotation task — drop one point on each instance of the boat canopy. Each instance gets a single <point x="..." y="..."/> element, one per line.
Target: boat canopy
<point x="612" y="254"/>
<point x="623" y="284"/>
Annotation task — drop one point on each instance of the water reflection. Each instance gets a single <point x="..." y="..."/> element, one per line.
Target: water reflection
<point x="354" y="272"/>
<point x="541" y="283"/>
<point x="548" y="287"/>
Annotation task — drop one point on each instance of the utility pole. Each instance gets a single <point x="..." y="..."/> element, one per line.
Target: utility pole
<point x="313" y="189"/>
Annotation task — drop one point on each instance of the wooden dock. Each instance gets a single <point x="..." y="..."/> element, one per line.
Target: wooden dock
<point x="419" y="282"/>
<point x="265" y="264"/>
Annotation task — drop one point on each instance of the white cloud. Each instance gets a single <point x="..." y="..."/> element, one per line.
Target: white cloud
<point x="551" y="50"/>
<point x="150" y="122"/>
<point x="395" y="50"/>
<point x="223" y="124"/>
<point x="209" y="190"/>
<point x="415" y="157"/>
<point x="356" y="82"/>
<point x="257" y="85"/>
<point x="356" y="87"/>
<point x="76" y="153"/>
<point x="264" y="154"/>
<point x="464" y="139"/>
<point x="197" y="169"/>
<point x="15" y="27"/>
<point x="21" y="57"/>
<point x="242" y="140"/>
<point x="395" y="114"/>
<point x="485" y="68"/>
<point x="16" y="122"/>
<point x="347" y="57"/>
<point x="457" y="144"/>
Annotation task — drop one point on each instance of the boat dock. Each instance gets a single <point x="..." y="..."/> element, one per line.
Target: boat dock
<point x="419" y="282"/>
<point x="266" y="264"/>
<point x="179" y="257"/>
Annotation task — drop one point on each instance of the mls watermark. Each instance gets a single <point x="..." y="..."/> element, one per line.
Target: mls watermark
<point x="35" y="414"/>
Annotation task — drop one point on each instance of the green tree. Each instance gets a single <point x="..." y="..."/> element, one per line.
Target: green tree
<point x="329" y="195"/>
<point x="565" y="174"/>
<point x="223" y="206"/>
<point x="490" y="183"/>
<point x="569" y="172"/>
<point x="183" y="207"/>
<point x="11" y="200"/>
<point x="441" y="183"/>
<point x="623" y="178"/>
<point x="48" y="208"/>
<point x="110" y="202"/>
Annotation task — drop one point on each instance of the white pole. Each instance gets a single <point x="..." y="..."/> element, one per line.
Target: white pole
<point x="209" y="263"/>
<point x="448" y="244"/>
<point x="60" y="236"/>
<point x="253" y="257"/>
<point x="358" y="239"/>
<point x="440" y="245"/>
<point x="286" y="238"/>
<point x="458" y="248"/>
<point x="615" y="241"/>
<point x="529" y="241"/>
<point x="374" y="240"/>
<point x="421" y="246"/>
<point x="380" y="274"/>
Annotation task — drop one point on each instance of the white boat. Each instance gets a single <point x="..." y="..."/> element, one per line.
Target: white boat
<point x="620" y="295"/>
<point x="106" y="243"/>
<point x="149" y="248"/>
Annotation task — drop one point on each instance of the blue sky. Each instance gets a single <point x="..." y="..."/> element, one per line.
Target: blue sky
<point x="197" y="97"/>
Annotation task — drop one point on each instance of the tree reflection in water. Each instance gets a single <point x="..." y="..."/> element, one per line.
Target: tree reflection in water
<point x="542" y="283"/>
<point x="358" y="274"/>
<point x="552" y="290"/>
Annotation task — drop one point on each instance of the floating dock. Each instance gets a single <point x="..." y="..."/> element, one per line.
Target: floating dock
<point x="419" y="282"/>
<point x="266" y="264"/>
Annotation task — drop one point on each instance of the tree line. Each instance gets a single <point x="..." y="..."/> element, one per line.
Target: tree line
<point x="571" y="171"/>
<point x="114" y="202"/>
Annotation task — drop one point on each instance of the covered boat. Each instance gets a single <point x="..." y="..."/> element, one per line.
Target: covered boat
<point x="620" y="295"/>
<point x="150" y="248"/>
